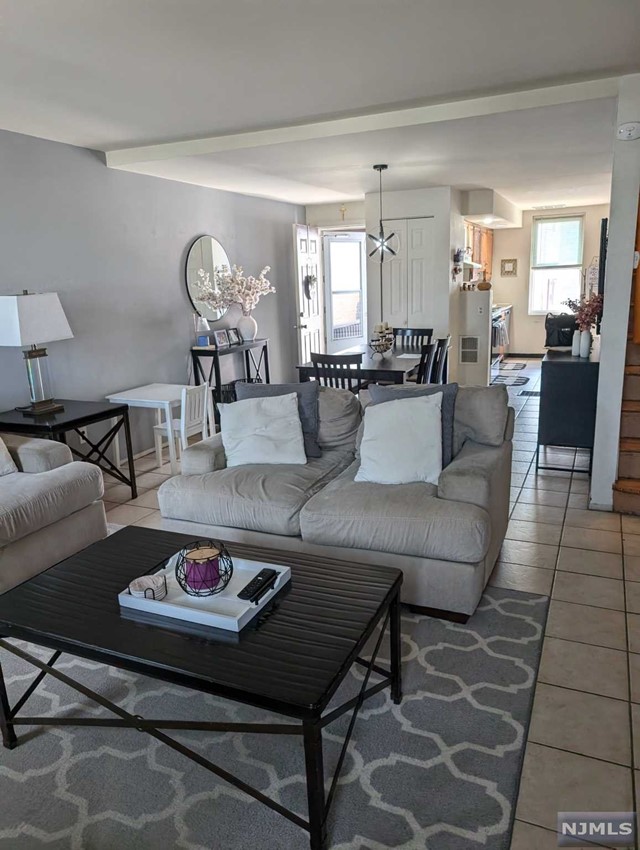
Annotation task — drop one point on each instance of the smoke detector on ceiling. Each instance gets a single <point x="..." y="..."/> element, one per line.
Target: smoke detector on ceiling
<point x="629" y="132"/>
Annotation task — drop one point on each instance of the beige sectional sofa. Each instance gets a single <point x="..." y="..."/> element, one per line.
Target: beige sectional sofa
<point x="446" y="538"/>
<point x="50" y="508"/>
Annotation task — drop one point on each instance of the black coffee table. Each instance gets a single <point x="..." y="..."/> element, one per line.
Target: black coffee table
<point x="291" y="663"/>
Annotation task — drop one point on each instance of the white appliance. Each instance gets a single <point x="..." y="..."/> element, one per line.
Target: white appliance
<point x="474" y="341"/>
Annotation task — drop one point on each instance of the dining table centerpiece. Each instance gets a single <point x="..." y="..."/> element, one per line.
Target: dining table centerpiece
<point x="231" y="286"/>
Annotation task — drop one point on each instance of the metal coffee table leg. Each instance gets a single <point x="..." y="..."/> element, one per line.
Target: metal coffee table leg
<point x="395" y="637"/>
<point x="315" y="785"/>
<point x="8" y="734"/>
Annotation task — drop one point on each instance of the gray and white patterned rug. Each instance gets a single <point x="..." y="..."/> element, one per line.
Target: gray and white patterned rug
<point x="440" y="771"/>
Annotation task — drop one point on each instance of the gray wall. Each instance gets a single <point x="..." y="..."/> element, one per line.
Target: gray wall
<point x="113" y="245"/>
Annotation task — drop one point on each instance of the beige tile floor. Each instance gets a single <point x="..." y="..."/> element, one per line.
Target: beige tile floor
<point x="583" y="746"/>
<point x="584" y="739"/>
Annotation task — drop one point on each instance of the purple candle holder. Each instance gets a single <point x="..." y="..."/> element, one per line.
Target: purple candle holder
<point x="204" y="568"/>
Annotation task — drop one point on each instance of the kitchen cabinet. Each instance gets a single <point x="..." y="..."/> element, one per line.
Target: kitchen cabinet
<point x="480" y="240"/>
<point x="409" y="282"/>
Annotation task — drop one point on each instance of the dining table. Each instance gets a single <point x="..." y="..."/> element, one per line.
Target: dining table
<point x="163" y="398"/>
<point x="392" y="367"/>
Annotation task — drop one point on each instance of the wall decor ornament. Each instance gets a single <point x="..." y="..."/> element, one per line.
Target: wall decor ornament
<point x="509" y="268"/>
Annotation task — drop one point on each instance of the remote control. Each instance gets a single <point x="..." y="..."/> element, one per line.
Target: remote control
<point x="257" y="584"/>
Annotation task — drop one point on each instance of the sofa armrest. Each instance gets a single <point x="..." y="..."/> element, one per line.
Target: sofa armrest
<point x="478" y="475"/>
<point x="205" y="456"/>
<point x="511" y="424"/>
<point x="33" y="455"/>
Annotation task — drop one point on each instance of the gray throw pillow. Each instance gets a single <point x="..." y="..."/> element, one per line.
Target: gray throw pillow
<point x="307" y="393"/>
<point x="7" y="466"/>
<point x="481" y="415"/>
<point x="380" y="394"/>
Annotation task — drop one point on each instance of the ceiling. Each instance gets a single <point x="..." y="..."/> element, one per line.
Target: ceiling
<point x="550" y="155"/>
<point x="117" y="74"/>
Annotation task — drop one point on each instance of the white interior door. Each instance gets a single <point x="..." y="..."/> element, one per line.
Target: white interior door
<point x="394" y="278"/>
<point x="309" y="292"/>
<point x="420" y="273"/>
<point x="344" y="265"/>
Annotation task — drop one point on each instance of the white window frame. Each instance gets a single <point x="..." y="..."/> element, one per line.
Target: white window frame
<point x="534" y="244"/>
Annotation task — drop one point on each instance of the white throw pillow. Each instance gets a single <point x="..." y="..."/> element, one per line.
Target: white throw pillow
<point x="402" y="441"/>
<point x="262" y="430"/>
<point x="7" y="466"/>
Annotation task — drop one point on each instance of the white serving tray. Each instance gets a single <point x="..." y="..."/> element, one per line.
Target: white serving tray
<point x="222" y="610"/>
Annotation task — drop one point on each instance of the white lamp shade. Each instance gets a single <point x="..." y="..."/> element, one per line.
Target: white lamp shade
<point x="32" y="319"/>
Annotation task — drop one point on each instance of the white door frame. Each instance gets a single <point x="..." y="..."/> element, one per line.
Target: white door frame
<point x="309" y="322"/>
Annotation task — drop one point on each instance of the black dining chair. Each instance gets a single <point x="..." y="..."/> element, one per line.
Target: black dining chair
<point x="342" y="371"/>
<point x="439" y="369"/>
<point x="412" y="338"/>
<point x="425" y="367"/>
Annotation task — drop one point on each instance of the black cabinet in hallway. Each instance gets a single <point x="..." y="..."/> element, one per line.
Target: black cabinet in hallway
<point x="568" y="393"/>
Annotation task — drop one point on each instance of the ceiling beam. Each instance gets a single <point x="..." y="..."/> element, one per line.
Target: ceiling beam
<point x="410" y="117"/>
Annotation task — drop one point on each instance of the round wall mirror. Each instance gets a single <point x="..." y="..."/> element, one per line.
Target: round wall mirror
<point x="208" y="254"/>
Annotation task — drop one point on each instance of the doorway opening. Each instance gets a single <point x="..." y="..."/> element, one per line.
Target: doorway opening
<point x="345" y="285"/>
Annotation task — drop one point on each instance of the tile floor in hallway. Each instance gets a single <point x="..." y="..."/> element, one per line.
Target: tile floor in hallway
<point x="584" y="738"/>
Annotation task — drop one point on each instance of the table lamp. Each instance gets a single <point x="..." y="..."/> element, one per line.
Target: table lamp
<point x="31" y="320"/>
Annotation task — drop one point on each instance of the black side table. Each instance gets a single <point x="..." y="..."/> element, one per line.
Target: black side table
<point x="76" y="415"/>
<point x="253" y="369"/>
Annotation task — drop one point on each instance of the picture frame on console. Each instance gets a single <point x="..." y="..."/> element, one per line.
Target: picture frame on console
<point x="221" y="339"/>
<point x="233" y="336"/>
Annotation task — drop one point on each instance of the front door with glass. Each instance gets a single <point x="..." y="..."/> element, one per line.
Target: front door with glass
<point x="345" y="290"/>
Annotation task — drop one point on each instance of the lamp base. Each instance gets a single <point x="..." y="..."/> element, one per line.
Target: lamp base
<point x="42" y="408"/>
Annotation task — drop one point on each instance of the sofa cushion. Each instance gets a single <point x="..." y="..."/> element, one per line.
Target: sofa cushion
<point x="7" y="466"/>
<point x="31" y="502"/>
<point x="32" y="454"/>
<point x="402" y="441"/>
<point x="380" y="394"/>
<point x="481" y="415"/>
<point x="307" y="393"/>
<point x="340" y="417"/>
<point x="262" y="430"/>
<point x="406" y="519"/>
<point x="260" y="497"/>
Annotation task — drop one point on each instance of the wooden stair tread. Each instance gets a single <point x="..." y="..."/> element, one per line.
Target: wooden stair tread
<point x="632" y="370"/>
<point x="630" y="444"/>
<point x="628" y="485"/>
<point x="630" y="406"/>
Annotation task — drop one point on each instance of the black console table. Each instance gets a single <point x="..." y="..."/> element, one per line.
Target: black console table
<point x="568" y="393"/>
<point x="256" y="370"/>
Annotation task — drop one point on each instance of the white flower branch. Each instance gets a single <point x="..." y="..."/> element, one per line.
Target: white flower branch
<point x="232" y="287"/>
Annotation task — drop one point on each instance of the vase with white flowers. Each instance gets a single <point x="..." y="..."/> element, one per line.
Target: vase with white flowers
<point x="231" y="286"/>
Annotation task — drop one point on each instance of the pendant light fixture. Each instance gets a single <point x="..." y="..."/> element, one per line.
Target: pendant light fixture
<point x="384" y="247"/>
